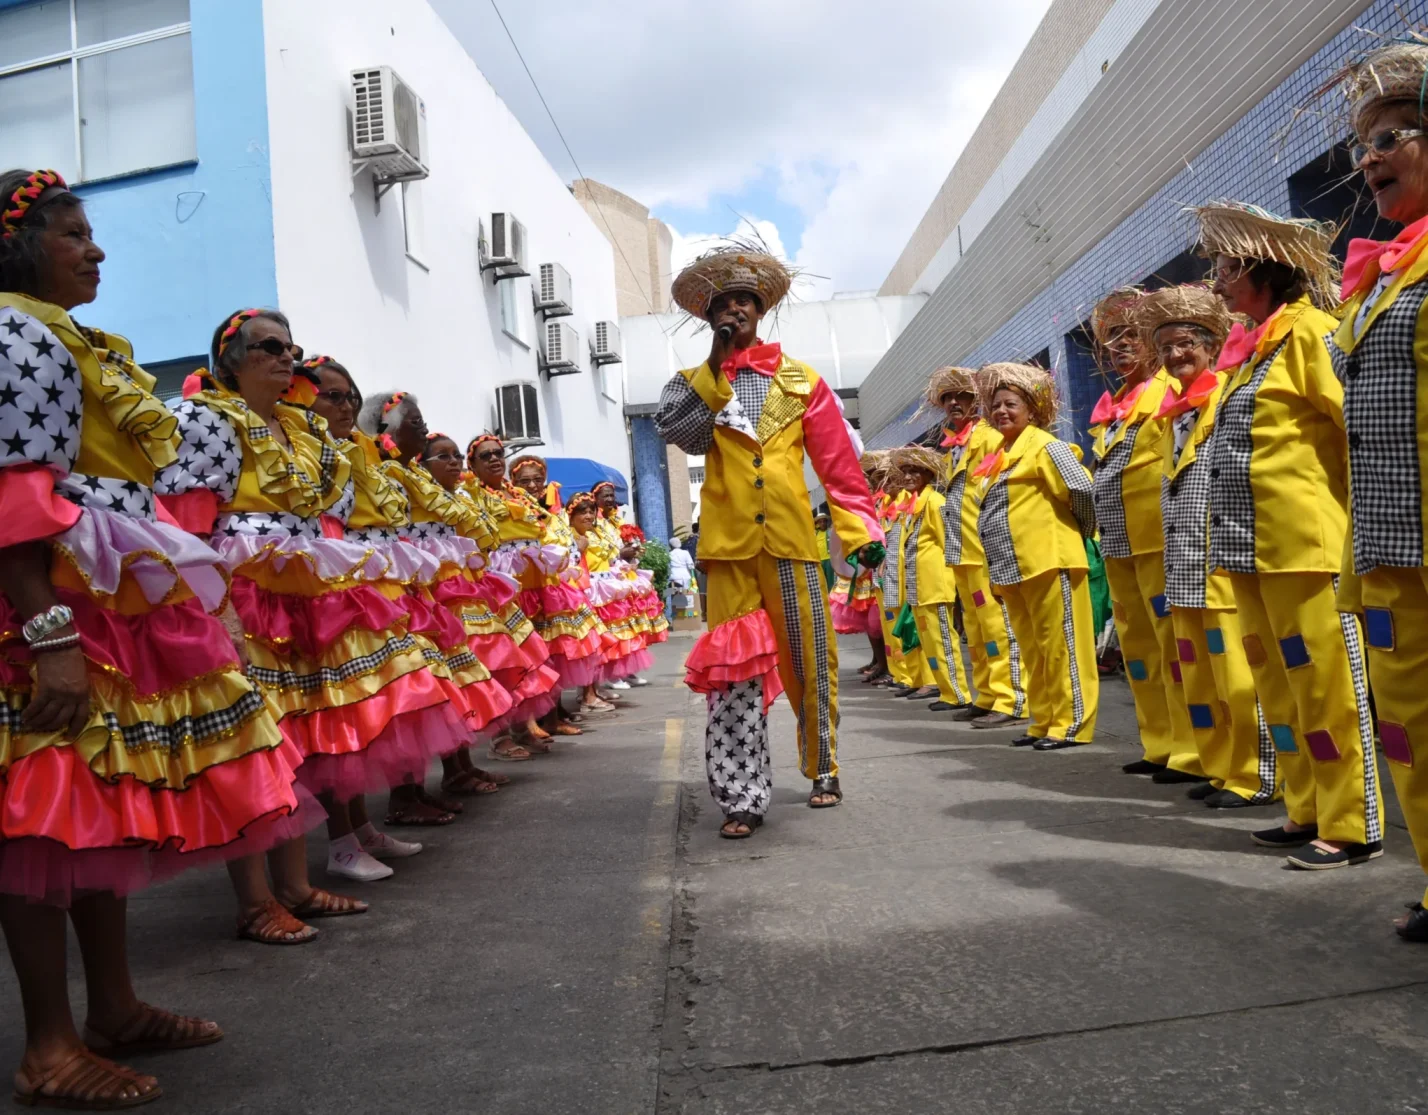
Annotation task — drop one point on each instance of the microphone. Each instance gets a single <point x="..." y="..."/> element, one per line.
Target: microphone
<point x="726" y="333"/>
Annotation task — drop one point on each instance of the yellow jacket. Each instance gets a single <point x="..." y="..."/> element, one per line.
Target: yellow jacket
<point x="1037" y="510"/>
<point x="933" y="579"/>
<point x="1127" y="477"/>
<point x="754" y="493"/>
<point x="963" y="546"/>
<point x="1280" y="449"/>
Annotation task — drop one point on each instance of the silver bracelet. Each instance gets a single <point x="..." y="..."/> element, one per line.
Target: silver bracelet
<point x="62" y="643"/>
<point x="47" y="622"/>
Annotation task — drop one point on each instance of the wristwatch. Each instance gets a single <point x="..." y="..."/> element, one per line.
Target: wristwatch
<point x="46" y="623"/>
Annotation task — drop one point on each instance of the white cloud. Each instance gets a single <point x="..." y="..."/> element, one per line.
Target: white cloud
<point x="689" y="245"/>
<point x="859" y="111"/>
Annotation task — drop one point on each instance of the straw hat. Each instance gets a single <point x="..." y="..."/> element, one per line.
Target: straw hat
<point x="1189" y="304"/>
<point x="874" y="464"/>
<point x="1393" y="72"/>
<point x="919" y="457"/>
<point x="1115" y="311"/>
<point x="1036" y="385"/>
<point x="726" y="269"/>
<point x="950" y="381"/>
<point x="1247" y="232"/>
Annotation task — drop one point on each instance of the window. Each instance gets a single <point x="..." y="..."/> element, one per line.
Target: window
<point x="696" y="474"/>
<point x="516" y="311"/>
<point x="106" y="86"/>
<point x="170" y="374"/>
<point x="518" y="412"/>
<point x="609" y="383"/>
<point x="414" y="223"/>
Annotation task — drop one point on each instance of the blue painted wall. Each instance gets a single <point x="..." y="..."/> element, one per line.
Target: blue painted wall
<point x="188" y="245"/>
<point x="651" y="469"/>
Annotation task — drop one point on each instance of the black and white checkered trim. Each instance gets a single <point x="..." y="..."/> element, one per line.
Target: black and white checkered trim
<point x="1358" y="670"/>
<point x="1078" y="483"/>
<point x="145" y="735"/>
<point x="951" y="653"/>
<point x="1381" y="384"/>
<point x="994" y="527"/>
<point x="1068" y="632"/>
<point x="891" y="587"/>
<point x="1268" y="760"/>
<point x="683" y="419"/>
<point x="952" y="517"/>
<point x="1108" y="495"/>
<point x="325" y="676"/>
<point x="1185" y="510"/>
<point x="1013" y="653"/>
<point x="808" y="669"/>
<point x="909" y="559"/>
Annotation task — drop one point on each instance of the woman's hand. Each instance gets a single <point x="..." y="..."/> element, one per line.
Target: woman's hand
<point x="234" y="627"/>
<point x="61" y="700"/>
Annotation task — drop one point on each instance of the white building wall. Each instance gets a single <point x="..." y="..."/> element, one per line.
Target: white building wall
<point x="432" y="327"/>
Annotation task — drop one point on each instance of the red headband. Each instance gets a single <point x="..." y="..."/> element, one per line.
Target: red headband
<point x="579" y="500"/>
<point x="315" y="362"/>
<point x="235" y="323"/>
<point x="20" y="202"/>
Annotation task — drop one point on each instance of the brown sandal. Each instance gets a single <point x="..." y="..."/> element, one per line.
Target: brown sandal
<point x="417" y="814"/>
<point x="86" y="1082"/>
<point x="468" y="782"/>
<point x="490" y="776"/>
<point x="436" y="801"/>
<point x="324" y="904"/>
<point x="152" y="1030"/>
<point x="271" y="924"/>
<point x="537" y="746"/>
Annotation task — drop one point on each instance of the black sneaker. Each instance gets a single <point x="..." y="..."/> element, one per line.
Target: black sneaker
<point x="1170" y="776"/>
<point x="1278" y="838"/>
<point x="1054" y="744"/>
<point x="1143" y="766"/>
<point x="1201" y="792"/>
<point x="1416" y="927"/>
<point x="1314" y="858"/>
<point x="1025" y="741"/>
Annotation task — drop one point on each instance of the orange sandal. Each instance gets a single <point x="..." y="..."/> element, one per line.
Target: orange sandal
<point x="152" y="1030"/>
<point x="324" y="904"/>
<point x="271" y="924"/>
<point x="86" y="1082"/>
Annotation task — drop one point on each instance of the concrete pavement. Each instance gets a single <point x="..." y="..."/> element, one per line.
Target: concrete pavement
<point x="977" y="929"/>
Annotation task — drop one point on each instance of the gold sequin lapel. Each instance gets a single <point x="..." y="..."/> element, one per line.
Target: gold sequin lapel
<point x="787" y="399"/>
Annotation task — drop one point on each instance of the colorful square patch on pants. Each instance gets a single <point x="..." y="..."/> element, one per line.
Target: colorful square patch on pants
<point x="993" y="650"/>
<point x="1215" y="640"/>
<point x="1175" y="675"/>
<point x="1394" y="738"/>
<point x="1202" y="716"/>
<point x="1254" y="650"/>
<point x="1160" y="606"/>
<point x="931" y="663"/>
<point x="979" y="598"/>
<point x="1322" y="745"/>
<point x="1295" y="653"/>
<point x="1378" y="628"/>
<point x="1118" y="610"/>
<point x="1136" y="668"/>
<point x="1283" y="737"/>
<point x="1186" y="650"/>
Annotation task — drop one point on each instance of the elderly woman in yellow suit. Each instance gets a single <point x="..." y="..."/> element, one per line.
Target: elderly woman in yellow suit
<point x="930" y="589"/>
<point x="996" y="658"/>
<point x="1380" y="352"/>
<point x="1187" y="326"/>
<point x="1128" y="450"/>
<point x="1036" y="514"/>
<point x="755" y="414"/>
<point x="1278" y="516"/>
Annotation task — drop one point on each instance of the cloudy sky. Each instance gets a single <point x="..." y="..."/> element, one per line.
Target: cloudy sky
<point x="829" y="124"/>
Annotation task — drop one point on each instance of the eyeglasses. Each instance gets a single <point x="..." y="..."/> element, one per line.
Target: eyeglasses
<point x="1383" y="142"/>
<point x="448" y="457"/>
<point x="1172" y="347"/>
<point x="274" y="347"/>
<point x="338" y="398"/>
<point x="1232" y="272"/>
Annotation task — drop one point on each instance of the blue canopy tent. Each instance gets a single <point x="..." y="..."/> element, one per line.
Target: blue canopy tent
<point x="579" y="474"/>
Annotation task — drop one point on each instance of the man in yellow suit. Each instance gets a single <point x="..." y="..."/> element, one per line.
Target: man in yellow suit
<point x="753" y="413"/>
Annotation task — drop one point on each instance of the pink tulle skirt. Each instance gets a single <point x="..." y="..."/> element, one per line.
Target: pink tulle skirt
<point x="402" y="751"/>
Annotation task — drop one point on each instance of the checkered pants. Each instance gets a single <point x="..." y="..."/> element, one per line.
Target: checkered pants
<point x="736" y="737"/>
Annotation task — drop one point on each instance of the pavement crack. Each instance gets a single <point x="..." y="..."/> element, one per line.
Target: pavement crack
<point x="711" y="1073"/>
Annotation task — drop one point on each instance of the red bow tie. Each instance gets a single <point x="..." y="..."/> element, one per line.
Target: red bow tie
<point x="763" y="359"/>
<point x="957" y="440"/>
<point x="989" y="465"/>
<point x="1193" y="398"/>
<point x="1109" y="409"/>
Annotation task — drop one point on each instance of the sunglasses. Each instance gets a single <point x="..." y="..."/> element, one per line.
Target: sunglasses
<point x="491" y="455"/>
<point x="338" y="398"/>
<point x="274" y="347"/>
<point x="1383" y="142"/>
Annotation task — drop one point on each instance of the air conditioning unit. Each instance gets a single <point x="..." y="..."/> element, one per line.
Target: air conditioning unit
<point x="505" y="249"/>
<point x="606" y="349"/>
<point x="518" y="413"/>
<point x="552" y="292"/>
<point x="560" y="349"/>
<point x="388" y="126"/>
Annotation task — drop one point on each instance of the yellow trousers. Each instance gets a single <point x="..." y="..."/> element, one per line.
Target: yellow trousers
<point x="942" y="651"/>
<point x="1235" y="749"/>
<point x="1051" y="618"/>
<point x="792" y="593"/>
<point x="996" y="658"/>
<point x="1308" y="663"/>
<point x="907" y="667"/>
<point x="1396" y="628"/>
<point x="1147" y="637"/>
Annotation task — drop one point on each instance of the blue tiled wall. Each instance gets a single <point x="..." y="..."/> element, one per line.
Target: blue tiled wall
<point x="1251" y="162"/>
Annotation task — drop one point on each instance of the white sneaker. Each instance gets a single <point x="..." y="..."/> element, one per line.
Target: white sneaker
<point x="637" y="681"/>
<point x="618" y="683"/>
<point x="347" y="860"/>
<point x="382" y="846"/>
